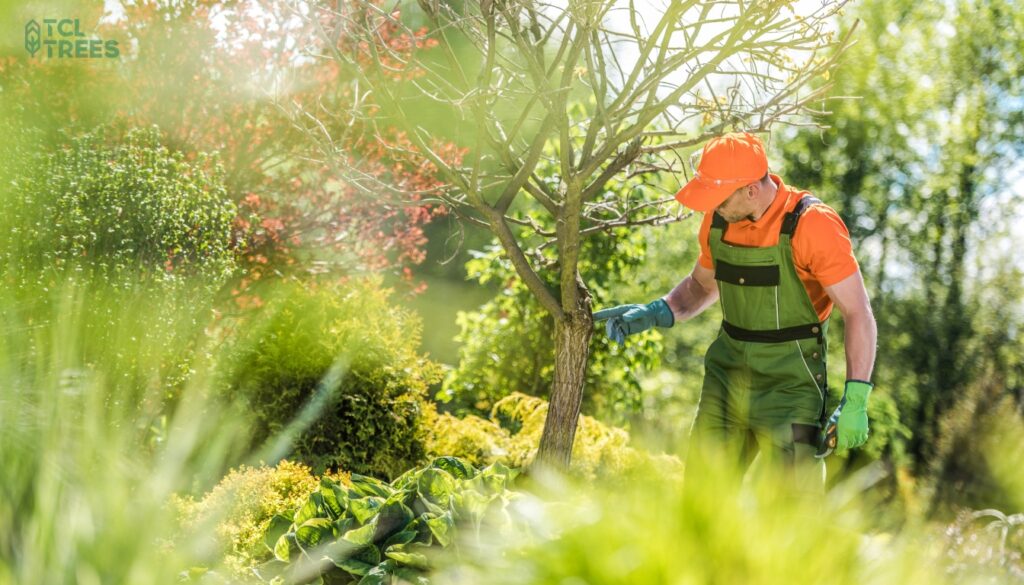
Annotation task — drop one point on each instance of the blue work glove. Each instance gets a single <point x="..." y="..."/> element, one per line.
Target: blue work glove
<point x="626" y="320"/>
<point x="848" y="426"/>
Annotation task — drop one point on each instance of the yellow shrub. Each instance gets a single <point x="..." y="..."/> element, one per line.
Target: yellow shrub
<point x="478" y="440"/>
<point x="234" y="515"/>
<point x="513" y="433"/>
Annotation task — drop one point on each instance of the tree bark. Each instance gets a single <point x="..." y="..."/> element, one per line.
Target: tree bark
<point x="572" y="349"/>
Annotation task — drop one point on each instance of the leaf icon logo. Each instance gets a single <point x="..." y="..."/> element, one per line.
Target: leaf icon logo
<point x="32" y="35"/>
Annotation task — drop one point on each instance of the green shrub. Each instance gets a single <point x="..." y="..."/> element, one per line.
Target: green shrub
<point x="119" y="207"/>
<point x="140" y="233"/>
<point x="334" y="371"/>
<point x="512" y="436"/>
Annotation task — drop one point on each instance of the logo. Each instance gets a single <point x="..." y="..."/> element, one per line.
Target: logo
<point x="32" y="37"/>
<point x="63" y="39"/>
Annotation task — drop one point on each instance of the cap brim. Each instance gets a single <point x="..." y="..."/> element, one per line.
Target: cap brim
<point x="701" y="195"/>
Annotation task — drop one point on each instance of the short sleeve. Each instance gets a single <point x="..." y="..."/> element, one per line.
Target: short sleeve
<point x="822" y="246"/>
<point x="704" y="259"/>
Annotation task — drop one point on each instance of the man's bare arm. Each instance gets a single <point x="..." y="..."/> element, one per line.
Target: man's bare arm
<point x="695" y="293"/>
<point x="851" y="297"/>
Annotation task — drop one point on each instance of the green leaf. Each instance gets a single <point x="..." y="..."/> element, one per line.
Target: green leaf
<point x="335" y="499"/>
<point x="363" y="534"/>
<point x="422" y="530"/>
<point x="473" y="504"/>
<point x="407" y="480"/>
<point x="365" y="508"/>
<point x="356" y="559"/>
<point x="407" y="555"/>
<point x="392" y="518"/>
<point x="344" y="524"/>
<point x="423" y="506"/>
<point x="436" y="485"/>
<point x="442" y="528"/>
<point x="278" y="525"/>
<point x="313" y="508"/>
<point x="313" y="532"/>
<point x="286" y="547"/>
<point x="458" y="468"/>
<point x="369" y="486"/>
<point x="404" y="537"/>
<point x="496" y="477"/>
<point x="378" y="575"/>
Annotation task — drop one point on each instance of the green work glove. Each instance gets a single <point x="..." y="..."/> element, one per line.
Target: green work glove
<point x="848" y="426"/>
<point x="625" y="320"/>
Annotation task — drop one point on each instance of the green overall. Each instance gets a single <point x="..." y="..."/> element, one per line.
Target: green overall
<point x="765" y="383"/>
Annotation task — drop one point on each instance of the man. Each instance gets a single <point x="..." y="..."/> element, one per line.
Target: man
<point x="777" y="259"/>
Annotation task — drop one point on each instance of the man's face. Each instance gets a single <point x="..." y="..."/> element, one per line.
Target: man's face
<point x="738" y="206"/>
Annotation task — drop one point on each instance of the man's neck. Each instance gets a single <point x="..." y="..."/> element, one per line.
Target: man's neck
<point x="771" y="199"/>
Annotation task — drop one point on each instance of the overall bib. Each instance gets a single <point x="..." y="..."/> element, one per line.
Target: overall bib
<point x="765" y="385"/>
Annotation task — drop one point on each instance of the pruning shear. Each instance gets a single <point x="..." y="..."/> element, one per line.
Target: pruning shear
<point x="827" y="444"/>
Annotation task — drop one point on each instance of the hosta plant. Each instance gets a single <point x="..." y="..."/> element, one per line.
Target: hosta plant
<point x="374" y="532"/>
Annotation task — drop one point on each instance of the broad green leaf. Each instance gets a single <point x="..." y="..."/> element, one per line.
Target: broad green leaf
<point x="364" y="534"/>
<point x="404" y="537"/>
<point x="392" y="518"/>
<point x="458" y="468"/>
<point x="407" y="479"/>
<point x="436" y="485"/>
<point x="286" y="547"/>
<point x="442" y="528"/>
<point x="472" y="504"/>
<point x="378" y="575"/>
<point x="422" y="505"/>
<point x="354" y="559"/>
<point x="369" y="486"/>
<point x="423" y="532"/>
<point x="496" y="476"/>
<point x="278" y="525"/>
<point x="313" y="532"/>
<point x="313" y="508"/>
<point x="270" y="569"/>
<point x="344" y="524"/>
<point x="407" y="555"/>
<point x="335" y="499"/>
<point x="365" y="508"/>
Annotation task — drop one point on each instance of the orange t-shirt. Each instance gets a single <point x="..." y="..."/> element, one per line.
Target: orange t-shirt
<point x="822" y="251"/>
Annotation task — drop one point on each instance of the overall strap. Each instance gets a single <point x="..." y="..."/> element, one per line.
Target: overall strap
<point x="791" y="219"/>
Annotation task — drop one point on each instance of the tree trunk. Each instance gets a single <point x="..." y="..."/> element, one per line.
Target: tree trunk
<point x="572" y="348"/>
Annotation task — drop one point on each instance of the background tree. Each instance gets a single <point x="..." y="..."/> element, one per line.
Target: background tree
<point x="500" y="84"/>
<point x="922" y="167"/>
<point x="215" y="77"/>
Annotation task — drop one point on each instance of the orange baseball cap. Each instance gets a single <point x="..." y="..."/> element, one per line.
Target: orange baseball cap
<point x="727" y="163"/>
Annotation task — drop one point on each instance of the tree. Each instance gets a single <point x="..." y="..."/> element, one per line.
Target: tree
<point x="500" y="84"/>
